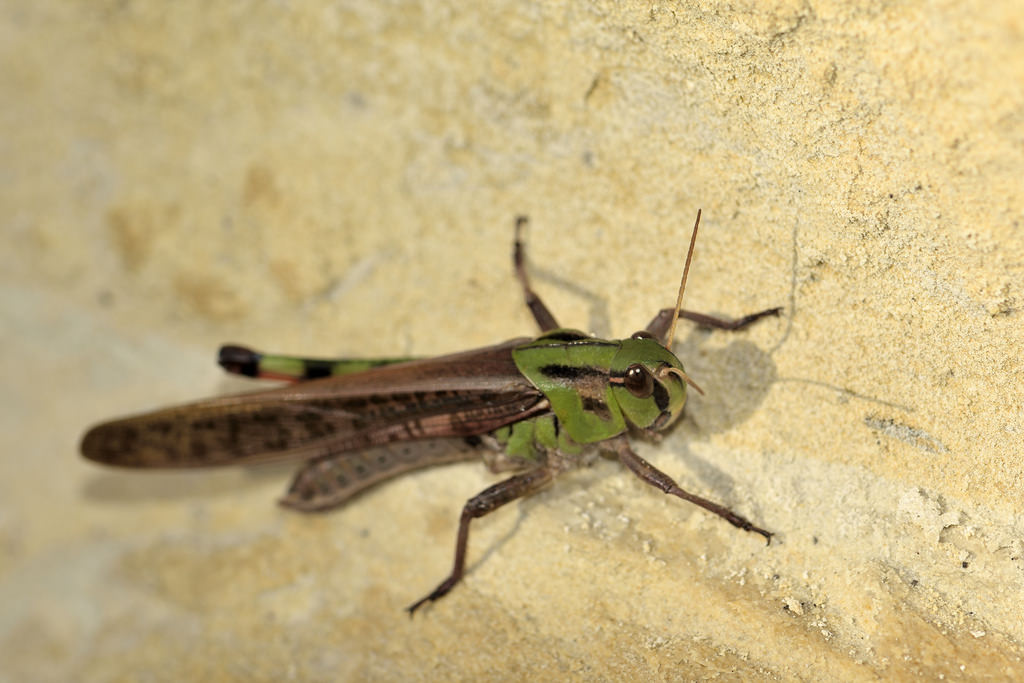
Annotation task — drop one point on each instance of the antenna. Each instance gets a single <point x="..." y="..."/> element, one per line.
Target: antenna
<point x="682" y="285"/>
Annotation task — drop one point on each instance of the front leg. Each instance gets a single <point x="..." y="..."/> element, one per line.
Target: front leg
<point x="658" y="327"/>
<point x="486" y="501"/>
<point x="655" y="477"/>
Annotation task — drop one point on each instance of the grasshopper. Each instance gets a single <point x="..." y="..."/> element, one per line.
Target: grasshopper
<point x="537" y="407"/>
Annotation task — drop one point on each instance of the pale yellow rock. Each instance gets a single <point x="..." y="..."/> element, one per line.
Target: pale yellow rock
<point x="342" y="178"/>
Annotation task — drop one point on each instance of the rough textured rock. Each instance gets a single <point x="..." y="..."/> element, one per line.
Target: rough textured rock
<point x="342" y="178"/>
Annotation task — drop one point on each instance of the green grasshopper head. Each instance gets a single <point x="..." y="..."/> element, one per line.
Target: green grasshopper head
<point x="648" y="382"/>
<point x="647" y="379"/>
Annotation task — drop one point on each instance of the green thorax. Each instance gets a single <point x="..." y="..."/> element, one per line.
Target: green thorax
<point x="582" y="378"/>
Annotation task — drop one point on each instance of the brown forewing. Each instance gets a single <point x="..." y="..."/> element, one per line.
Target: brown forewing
<point x="462" y="394"/>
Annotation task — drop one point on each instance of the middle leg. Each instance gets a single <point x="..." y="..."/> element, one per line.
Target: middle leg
<point x="488" y="500"/>
<point x="540" y="312"/>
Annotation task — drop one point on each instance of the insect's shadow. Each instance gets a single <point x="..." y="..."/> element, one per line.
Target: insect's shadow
<point x="735" y="379"/>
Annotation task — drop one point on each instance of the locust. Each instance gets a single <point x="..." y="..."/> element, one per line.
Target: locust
<point x="533" y="407"/>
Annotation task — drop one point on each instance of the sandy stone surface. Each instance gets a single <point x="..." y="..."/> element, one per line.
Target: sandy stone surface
<point x="342" y="179"/>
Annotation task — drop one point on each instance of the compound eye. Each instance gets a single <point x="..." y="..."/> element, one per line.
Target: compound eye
<point x="642" y="334"/>
<point x="638" y="381"/>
